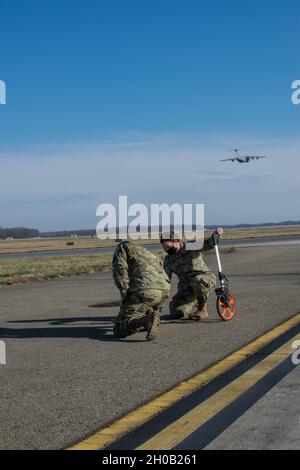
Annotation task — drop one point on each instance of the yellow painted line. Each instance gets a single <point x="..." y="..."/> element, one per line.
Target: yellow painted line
<point x="176" y="432"/>
<point x="106" y="436"/>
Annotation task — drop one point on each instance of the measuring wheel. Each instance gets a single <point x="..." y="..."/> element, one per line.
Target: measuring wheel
<point x="226" y="305"/>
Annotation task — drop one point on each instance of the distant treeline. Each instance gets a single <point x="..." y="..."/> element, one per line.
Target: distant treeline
<point x="91" y="232"/>
<point x="68" y="233"/>
<point x="23" y="232"/>
<point x="19" y="232"/>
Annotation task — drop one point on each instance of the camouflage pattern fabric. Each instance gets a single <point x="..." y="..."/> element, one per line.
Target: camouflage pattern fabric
<point x="195" y="280"/>
<point x="138" y="269"/>
<point x="189" y="297"/>
<point x="143" y="284"/>
<point x="136" y="305"/>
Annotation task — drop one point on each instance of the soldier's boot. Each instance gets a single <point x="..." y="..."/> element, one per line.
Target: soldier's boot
<point x="149" y="322"/>
<point x="201" y="313"/>
<point x="120" y="331"/>
<point x="129" y="326"/>
<point x="176" y="315"/>
<point x="152" y="324"/>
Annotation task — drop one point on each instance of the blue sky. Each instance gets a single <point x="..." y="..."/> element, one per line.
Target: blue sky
<point x="143" y="99"/>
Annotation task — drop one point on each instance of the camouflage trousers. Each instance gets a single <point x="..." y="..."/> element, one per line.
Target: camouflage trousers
<point x="188" y="295"/>
<point x="135" y="306"/>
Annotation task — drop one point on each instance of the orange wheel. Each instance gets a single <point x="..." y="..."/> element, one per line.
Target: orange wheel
<point x="226" y="312"/>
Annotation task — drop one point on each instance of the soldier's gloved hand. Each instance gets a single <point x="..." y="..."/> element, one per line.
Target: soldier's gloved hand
<point x="219" y="231"/>
<point x="217" y="234"/>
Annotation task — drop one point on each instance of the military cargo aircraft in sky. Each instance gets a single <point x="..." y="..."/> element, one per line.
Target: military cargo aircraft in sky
<point x="242" y="158"/>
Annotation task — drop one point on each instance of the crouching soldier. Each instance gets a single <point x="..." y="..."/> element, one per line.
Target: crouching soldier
<point x="195" y="279"/>
<point x="144" y="285"/>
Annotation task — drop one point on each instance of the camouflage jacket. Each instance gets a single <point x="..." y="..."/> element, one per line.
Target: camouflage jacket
<point x="137" y="269"/>
<point x="186" y="264"/>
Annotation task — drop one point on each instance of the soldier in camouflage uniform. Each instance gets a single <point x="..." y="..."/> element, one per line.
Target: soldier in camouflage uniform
<point x="195" y="279"/>
<point x="144" y="285"/>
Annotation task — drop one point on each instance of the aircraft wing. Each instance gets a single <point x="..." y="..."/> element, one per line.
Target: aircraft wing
<point x="228" y="160"/>
<point x="253" y="157"/>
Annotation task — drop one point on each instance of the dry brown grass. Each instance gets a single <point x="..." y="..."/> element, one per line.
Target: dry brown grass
<point x="58" y="244"/>
<point x="24" y="270"/>
<point x="52" y="244"/>
<point x="261" y="232"/>
<point x="14" y="271"/>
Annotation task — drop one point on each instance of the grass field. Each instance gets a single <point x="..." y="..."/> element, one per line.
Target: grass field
<point x="57" y="244"/>
<point x="21" y="270"/>
<point x="52" y="244"/>
<point x="14" y="271"/>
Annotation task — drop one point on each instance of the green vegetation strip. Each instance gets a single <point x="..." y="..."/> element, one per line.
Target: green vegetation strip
<point x="14" y="271"/>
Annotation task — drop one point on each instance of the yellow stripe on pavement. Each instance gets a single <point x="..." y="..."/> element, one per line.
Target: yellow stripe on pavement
<point x="106" y="436"/>
<point x="183" y="427"/>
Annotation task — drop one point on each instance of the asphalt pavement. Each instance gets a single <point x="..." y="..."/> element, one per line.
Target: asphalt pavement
<point x="66" y="375"/>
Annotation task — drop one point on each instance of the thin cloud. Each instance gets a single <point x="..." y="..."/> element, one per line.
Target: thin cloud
<point x="59" y="186"/>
